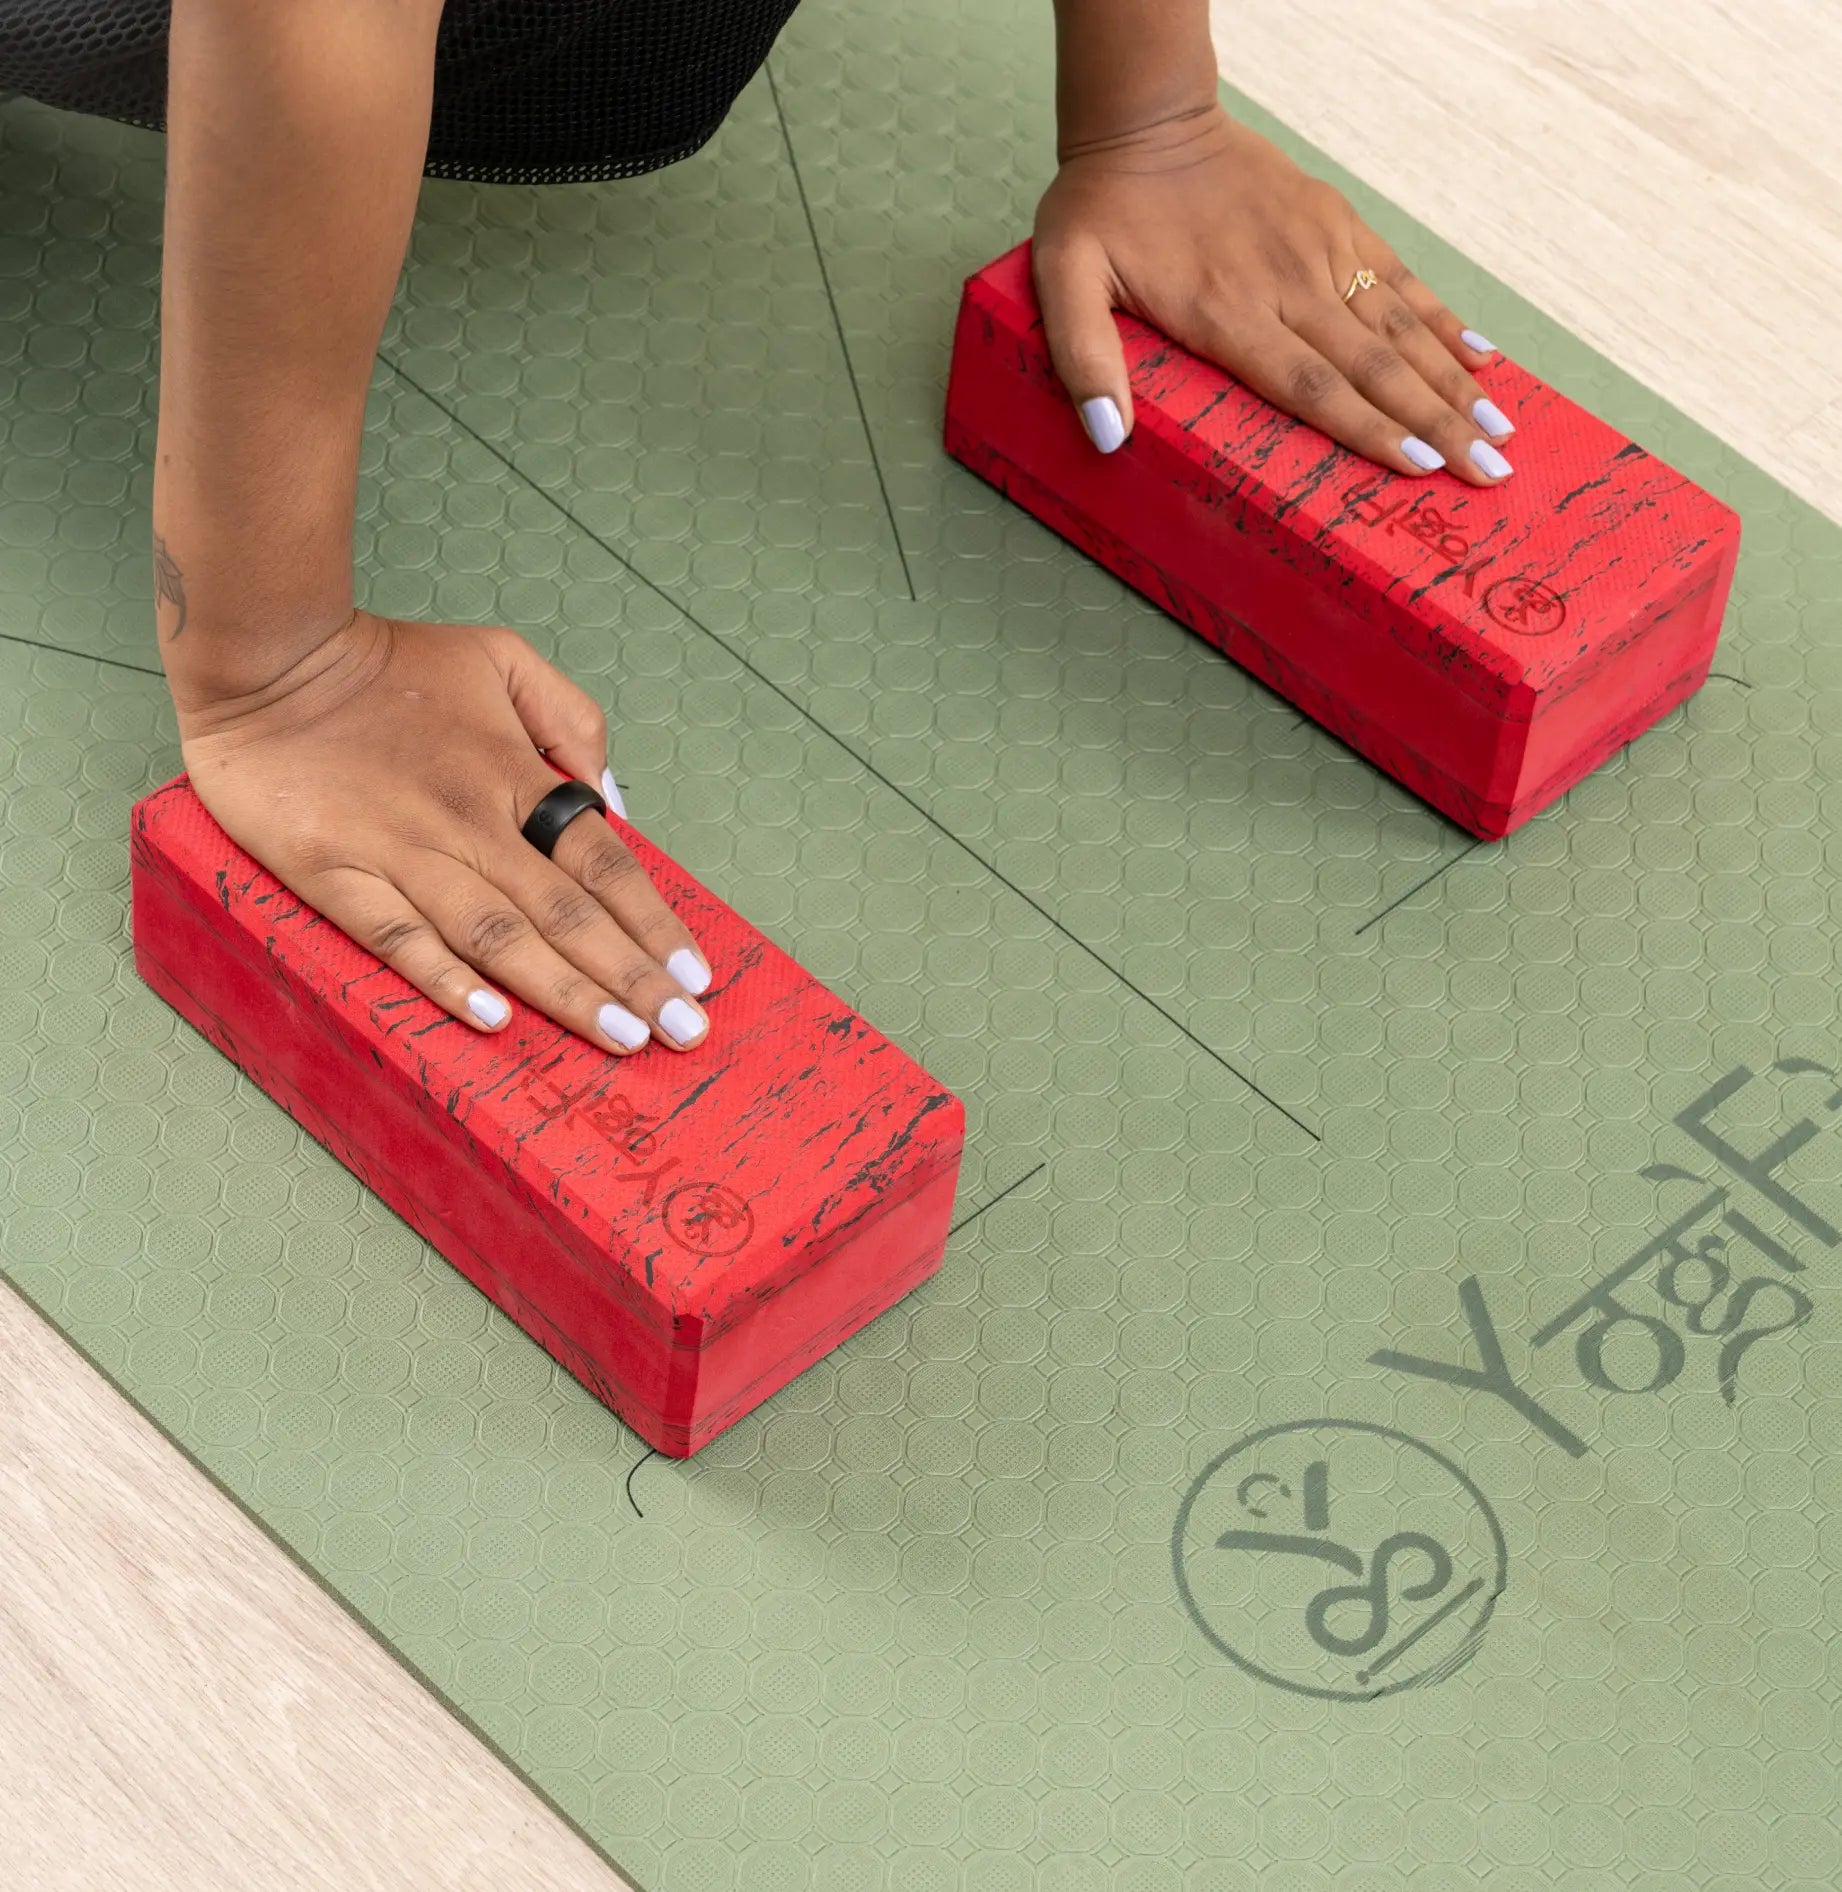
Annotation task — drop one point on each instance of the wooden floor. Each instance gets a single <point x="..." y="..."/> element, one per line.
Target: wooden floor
<point x="184" y="1708"/>
<point x="1663" y="177"/>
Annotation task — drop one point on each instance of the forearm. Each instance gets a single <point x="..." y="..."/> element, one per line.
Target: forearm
<point x="1125" y="67"/>
<point x="296" y="135"/>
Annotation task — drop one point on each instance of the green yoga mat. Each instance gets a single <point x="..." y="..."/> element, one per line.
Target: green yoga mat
<point x="1377" y="1423"/>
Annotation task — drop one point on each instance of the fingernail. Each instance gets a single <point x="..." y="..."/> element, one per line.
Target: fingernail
<point x="488" y="1007"/>
<point x="1488" y="460"/>
<point x="1492" y="419"/>
<point x="689" y="970"/>
<point x="681" y="1021"/>
<point x="1104" y="427"/>
<point x="622" y="1027"/>
<point x="611" y="795"/>
<point x="1481" y="343"/>
<point x="1427" y="459"/>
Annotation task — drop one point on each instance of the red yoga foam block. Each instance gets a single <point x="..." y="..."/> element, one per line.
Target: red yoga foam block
<point x="684" y="1232"/>
<point x="1488" y="648"/>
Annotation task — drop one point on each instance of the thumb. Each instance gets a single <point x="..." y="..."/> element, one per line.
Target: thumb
<point x="560" y="717"/>
<point x="1072" y="288"/>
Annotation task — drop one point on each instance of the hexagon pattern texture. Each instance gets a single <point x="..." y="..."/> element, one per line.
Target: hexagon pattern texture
<point x="1327" y="1458"/>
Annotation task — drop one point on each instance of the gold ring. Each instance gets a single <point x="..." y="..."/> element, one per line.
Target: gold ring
<point x="1363" y="279"/>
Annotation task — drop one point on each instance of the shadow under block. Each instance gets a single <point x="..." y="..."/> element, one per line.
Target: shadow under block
<point x="1488" y="648"/>
<point x="685" y="1232"/>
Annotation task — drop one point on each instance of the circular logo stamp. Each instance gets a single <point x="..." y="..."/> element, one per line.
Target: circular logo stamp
<point x="1526" y="606"/>
<point x="1339" y="1559"/>
<point x="707" y="1218"/>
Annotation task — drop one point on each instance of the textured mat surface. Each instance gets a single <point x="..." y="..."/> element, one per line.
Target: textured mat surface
<point x="1252" y="1501"/>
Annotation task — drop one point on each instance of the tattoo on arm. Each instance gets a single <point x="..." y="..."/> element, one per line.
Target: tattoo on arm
<point x="169" y="583"/>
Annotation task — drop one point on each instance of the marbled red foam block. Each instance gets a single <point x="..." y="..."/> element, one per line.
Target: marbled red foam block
<point x="1486" y="648"/>
<point x="683" y="1231"/>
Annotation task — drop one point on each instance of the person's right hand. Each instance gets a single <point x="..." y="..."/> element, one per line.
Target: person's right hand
<point x="383" y="779"/>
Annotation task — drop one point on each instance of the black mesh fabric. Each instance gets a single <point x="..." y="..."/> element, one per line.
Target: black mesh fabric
<point x="526" y="91"/>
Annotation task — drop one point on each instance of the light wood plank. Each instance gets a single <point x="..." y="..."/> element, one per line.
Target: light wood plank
<point x="184" y="1708"/>
<point x="1662" y="177"/>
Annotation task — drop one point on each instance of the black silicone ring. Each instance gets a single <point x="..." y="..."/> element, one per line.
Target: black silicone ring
<point x="544" y="825"/>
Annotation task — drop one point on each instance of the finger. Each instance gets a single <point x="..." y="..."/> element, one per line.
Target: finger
<point x="594" y="857"/>
<point x="1389" y="381"/>
<point x="578" y="926"/>
<point x="369" y="910"/>
<point x="1073" y="287"/>
<point x="560" y="717"/>
<point x="1466" y="344"/>
<point x="1285" y="369"/>
<point x="1396" y="324"/>
<point x="1439" y="345"/>
<point x="491" y="931"/>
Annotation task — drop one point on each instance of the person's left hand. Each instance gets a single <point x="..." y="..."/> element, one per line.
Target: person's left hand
<point x="1208" y="232"/>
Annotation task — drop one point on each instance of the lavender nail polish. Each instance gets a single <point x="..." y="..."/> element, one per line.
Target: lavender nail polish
<point x="690" y="971"/>
<point x="1427" y="459"/>
<point x="1487" y="459"/>
<point x="1492" y="419"/>
<point x="488" y="1007"/>
<point x="1482" y="344"/>
<point x="1104" y="427"/>
<point x="618" y="1023"/>
<point x="681" y="1021"/>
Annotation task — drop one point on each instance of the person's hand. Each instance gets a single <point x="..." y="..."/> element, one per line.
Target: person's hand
<point x="1208" y="232"/>
<point x="384" y="777"/>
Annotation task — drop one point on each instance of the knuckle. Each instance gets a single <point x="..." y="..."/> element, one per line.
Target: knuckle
<point x="1232" y="322"/>
<point x="657" y="933"/>
<point x="567" y="911"/>
<point x="610" y="868"/>
<point x="1085" y="360"/>
<point x="493" y="931"/>
<point x="1217" y="284"/>
<point x="391" y="939"/>
<point x="1376" y="363"/>
<point x="457" y="799"/>
<point x="571" y="993"/>
<point x="1310" y="382"/>
<point x="1399" y="322"/>
<point x="634" y="978"/>
<point x="1285" y="263"/>
<point x="450" y="977"/>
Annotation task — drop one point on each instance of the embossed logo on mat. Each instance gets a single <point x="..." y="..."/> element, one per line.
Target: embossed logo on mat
<point x="1339" y="1559"/>
<point x="1344" y="1560"/>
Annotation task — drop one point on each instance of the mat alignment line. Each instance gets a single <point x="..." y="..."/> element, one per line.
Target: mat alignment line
<point x="652" y="1452"/>
<point x="1723" y="676"/>
<point x="837" y="322"/>
<point x="1462" y="854"/>
<point x="967" y="1221"/>
<point x="862" y="761"/>
<point x="88" y="656"/>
